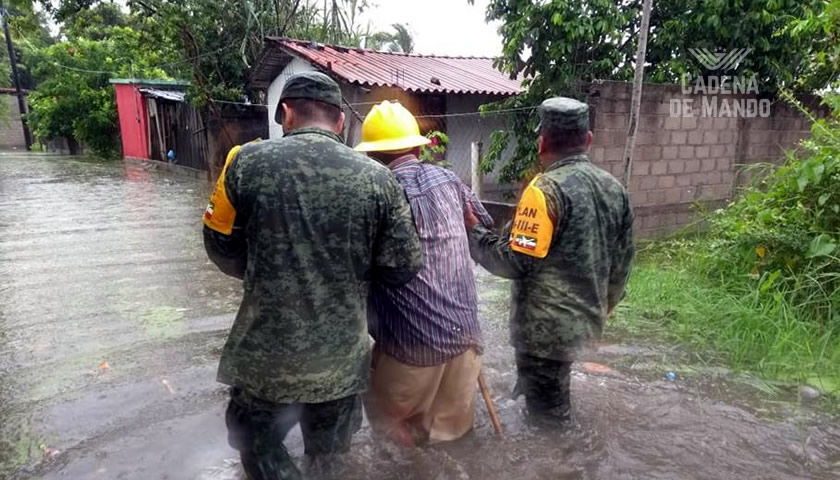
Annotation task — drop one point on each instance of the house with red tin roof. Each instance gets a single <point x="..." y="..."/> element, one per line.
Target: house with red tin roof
<point x="441" y="91"/>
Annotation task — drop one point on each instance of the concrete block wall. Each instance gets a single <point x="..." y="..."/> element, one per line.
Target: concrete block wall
<point x="11" y="130"/>
<point x="680" y="161"/>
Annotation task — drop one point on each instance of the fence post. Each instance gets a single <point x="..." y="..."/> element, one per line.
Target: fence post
<point x="476" y="180"/>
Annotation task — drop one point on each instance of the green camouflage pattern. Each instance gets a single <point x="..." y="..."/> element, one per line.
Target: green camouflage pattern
<point x="560" y="303"/>
<point x="312" y="86"/>
<point x="315" y="223"/>
<point x="546" y="385"/>
<point x="561" y="113"/>
<point x="257" y="429"/>
<point x="309" y="86"/>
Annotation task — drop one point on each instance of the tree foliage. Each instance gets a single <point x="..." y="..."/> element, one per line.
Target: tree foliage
<point x="74" y="98"/>
<point x="27" y="26"/>
<point x="785" y="231"/>
<point x="558" y="46"/>
<point x="213" y="43"/>
<point x="822" y="29"/>
<point x="222" y="39"/>
<point x="400" y="40"/>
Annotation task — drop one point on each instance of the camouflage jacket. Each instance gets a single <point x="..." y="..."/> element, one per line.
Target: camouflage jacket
<point x="560" y="302"/>
<point x="315" y="223"/>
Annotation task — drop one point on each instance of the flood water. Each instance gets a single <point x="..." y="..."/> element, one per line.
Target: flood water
<point x="112" y="321"/>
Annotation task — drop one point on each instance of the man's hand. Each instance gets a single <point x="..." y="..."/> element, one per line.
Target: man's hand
<point x="470" y="220"/>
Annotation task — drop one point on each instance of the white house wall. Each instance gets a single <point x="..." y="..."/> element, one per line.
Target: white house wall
<point x="464" y="130"/>
<point x="295" y="66"/>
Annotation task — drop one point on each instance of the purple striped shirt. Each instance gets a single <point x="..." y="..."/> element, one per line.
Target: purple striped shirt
<point x="434" y="317"/>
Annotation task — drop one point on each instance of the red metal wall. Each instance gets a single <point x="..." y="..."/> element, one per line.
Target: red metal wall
<point x="132" y="111"/>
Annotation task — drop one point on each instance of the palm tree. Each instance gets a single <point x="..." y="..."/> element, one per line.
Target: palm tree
<point x="401" y="41"/>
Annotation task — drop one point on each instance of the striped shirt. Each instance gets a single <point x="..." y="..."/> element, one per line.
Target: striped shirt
<point x="434" y="317"/>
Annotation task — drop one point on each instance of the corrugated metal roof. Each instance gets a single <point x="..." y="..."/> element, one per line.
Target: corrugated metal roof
<point x="172" y="95"/>
<point x="414" y="73"/>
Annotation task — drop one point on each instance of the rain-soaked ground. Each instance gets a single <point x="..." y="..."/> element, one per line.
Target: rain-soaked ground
<point x="112" y="320"/>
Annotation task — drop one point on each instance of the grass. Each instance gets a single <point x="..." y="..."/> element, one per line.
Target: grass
<point x="777" y="333"/>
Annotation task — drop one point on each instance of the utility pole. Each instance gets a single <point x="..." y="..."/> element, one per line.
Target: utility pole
<point x="18" y="91"/>
<point x="636" y="102"/>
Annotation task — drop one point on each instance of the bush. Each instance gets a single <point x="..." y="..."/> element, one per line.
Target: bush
<point x="784" y="231"/>
<point x="761" y="287"/>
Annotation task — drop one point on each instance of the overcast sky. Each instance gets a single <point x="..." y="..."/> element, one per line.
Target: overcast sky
<point x="441" y="27"/>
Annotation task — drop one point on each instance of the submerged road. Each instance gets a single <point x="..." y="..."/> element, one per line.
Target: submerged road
<point x="112" y="321"/>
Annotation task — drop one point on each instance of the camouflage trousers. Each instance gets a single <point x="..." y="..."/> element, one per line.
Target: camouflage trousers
<point x="257" y="429"/>
<point x="546" y="385"/>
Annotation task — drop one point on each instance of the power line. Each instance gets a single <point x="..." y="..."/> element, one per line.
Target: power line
<point x="473" y="114"/>
<point x="206" y="54"/>
<point x="250" y="104"/>
<point x="443" y="115"/>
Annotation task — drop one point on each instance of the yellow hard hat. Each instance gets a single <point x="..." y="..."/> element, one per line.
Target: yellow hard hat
<point x="390" y="127"/>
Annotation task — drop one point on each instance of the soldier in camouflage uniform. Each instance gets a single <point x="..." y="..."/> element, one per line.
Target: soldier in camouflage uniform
<point x="307" y="223"/>
<point x="568" y="251"/>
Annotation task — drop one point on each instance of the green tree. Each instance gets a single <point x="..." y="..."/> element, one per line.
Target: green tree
<point x="822" y="29"/>
<point x="403" y="39"/>
<point x="778" y="58"/>
<point x="222" y="39"/>
<point x="400" y="40"/>
<point x="21" y="17"/>
<point x="559" y="46"/>
<point x="554" y="46"/>
<point x="211" y="42"/>
<point x="74" y="98"/>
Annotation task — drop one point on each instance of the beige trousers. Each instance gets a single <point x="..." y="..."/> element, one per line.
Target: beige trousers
<point x="414" y="405"/>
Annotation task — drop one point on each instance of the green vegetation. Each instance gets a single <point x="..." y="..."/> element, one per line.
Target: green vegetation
<point x="400" y="41"/>
<point x="559" y="46"/>
<point x="435" y="151"/>
<point x="761" y="287"/>
<point x="213" y="44"/>
<point x="74" y="98"/>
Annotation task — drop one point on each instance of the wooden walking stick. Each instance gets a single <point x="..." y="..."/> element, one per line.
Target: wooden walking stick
<point x="491" y="409"/>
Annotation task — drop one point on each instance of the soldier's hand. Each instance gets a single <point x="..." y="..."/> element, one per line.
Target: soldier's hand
<point x="470" y="220"/>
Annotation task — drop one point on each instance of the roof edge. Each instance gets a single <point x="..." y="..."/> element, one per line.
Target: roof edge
<point x="151" y="83"/>
<point x="493" y="93"/>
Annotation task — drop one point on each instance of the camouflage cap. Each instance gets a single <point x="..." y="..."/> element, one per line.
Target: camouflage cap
<point x="563" y="113"/>
<point x="310" y="86"/>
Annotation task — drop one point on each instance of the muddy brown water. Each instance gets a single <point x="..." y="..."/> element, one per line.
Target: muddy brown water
<point x="112" y="320"/>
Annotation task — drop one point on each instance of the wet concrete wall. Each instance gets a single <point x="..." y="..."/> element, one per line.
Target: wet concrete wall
<point x="681" y="161"/>
<point x="11" y="130"/>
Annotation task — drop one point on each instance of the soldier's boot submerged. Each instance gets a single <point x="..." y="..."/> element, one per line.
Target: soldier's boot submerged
<point x="545" y="383"/>
<point x="257" y="429"/>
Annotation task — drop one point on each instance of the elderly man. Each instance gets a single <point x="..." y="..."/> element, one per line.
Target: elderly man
<point x="428" y="340"/>
<point x="568" y="250"/>
<point x="307" y="223"/>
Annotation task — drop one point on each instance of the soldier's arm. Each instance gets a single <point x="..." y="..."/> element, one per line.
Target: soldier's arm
<point x="506" y="257"/>
<point x="622" y="260"/>
<point x="470" y="202"/>
<point x="397" y="256"/>
<point x="493" y="252"/>
<point x="224" y="225"/>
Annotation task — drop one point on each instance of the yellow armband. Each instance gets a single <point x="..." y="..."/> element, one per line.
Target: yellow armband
<point x="220" y="213"/>
<point x="532" y="228"/>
